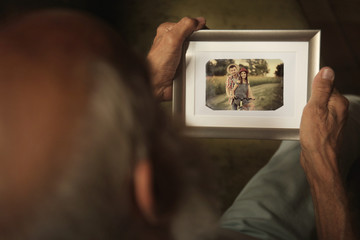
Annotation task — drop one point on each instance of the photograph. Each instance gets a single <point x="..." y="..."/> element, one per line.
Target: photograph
<point x="245" y="84"/>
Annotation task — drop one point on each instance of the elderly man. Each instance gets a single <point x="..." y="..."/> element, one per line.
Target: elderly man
<point x="87" y="154"/>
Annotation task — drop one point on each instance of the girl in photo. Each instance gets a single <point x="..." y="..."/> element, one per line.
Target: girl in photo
<point x="241" y="92"/>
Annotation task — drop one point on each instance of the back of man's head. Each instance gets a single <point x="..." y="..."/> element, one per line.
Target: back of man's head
<point x="76" y="116"/>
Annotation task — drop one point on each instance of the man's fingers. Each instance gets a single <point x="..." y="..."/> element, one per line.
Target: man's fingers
<point x="184" y="27"/>
<point x="322" y="87"/>
<point x="165" y="27"/>
<point x="181" y="30"/>
<point x="201" y="23"/>
<point x="339" y="105"/>
<point x="165" y="53"/>
<point x="187" y="25"/>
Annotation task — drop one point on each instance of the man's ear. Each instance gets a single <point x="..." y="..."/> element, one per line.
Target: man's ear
<point x="143" y="188"/>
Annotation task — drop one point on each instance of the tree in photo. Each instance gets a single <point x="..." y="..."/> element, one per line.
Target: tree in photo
<point x="279" y="70"/>
<point x="217" y="67"/>
<point x="257" y="67"/>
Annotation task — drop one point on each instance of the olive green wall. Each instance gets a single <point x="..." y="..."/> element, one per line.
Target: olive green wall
<point x="145" y="16"/>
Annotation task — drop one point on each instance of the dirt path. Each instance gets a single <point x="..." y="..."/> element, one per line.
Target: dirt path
<point x="219" y="102"/>
<point x="268" y="97"/>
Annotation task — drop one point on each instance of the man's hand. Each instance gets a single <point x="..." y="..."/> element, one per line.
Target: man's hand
<point x="322" y="122"/>
<point x="165" y="53"/>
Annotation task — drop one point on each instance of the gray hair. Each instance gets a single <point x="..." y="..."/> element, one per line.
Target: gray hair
<point x="93" y="196"/>
<point x="93" y="199"/>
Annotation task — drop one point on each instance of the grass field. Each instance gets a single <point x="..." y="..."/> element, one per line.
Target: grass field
<point x="268" y="92"/>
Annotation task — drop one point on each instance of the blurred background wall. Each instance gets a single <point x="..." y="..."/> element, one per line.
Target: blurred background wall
<point x="137" y="20"/>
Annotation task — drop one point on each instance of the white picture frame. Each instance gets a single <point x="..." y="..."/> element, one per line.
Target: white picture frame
<point x="297" y="50"/>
